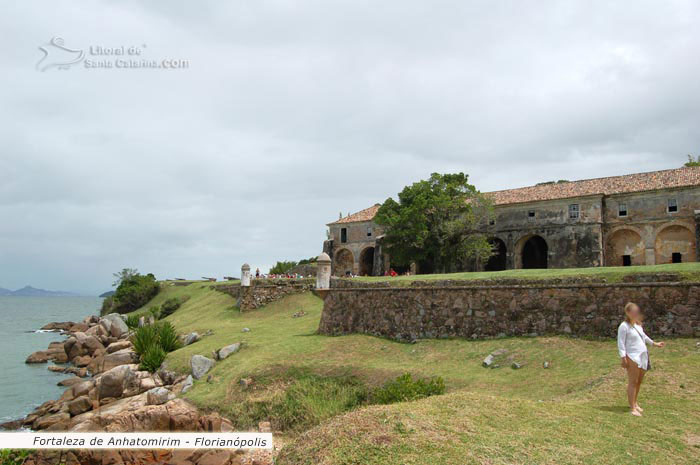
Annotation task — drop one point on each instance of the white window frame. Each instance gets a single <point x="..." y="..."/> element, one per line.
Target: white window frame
<point x="574" y="211"/>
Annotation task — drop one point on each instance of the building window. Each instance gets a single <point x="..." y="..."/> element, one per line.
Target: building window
<point x="369" y="231"/>
<point x="676" y="257"/>
<point x="622" y="210"/>
<point x="626" y="260"/>
<point x="672" y="206"/>
<point x="343" y="235"/>
<point x="573" y="211"/>
<point x="531" y="215"/>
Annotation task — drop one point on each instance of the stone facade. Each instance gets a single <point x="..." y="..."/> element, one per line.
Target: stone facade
<point x="639" y="219"/>
<point x="443" y="310"/>
<point x="355" y="245"/>
<point x="262" y="291"/>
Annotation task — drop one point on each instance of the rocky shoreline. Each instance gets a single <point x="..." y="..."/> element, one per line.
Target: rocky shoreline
<point x="108" y="392"/>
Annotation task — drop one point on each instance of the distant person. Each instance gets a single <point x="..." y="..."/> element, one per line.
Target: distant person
<point x="257" y="272"/>
<point x="632" y="347"/>
<point x="393" y="273"/>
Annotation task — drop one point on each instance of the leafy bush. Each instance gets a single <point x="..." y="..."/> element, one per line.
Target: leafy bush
<point x="153" y="358"/>
<point x="132" y="321"/>
<point x="107" y="305"/>
<point x="172" y="304"/>
<point x="154" y="311"/>
<point x="167" y="337"/>
<point x="133" y="292"/>
<point x="14" y="456"/>
<point x="144" y="338"/>
<point x="405" y="388"/>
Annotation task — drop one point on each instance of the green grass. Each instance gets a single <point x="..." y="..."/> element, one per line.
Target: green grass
<point x="573" y="412"/>
<point x="686" y="271"/>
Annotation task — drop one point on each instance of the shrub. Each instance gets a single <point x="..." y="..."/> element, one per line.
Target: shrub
<point x="134" y="291"/>
<point x="405" y="388"/>
<point x="307" y="399"/>
<point x="170" y="305"/>
<point x="154" y="311"/>
<point x="144" y="338"/>
<point x="153" y="358"/>
<point x="107" y="305"/>
<point x="167" y="337"/>
<point x="132" y="321"/>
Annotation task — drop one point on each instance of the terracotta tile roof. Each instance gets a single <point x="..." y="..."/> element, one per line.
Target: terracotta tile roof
<point x="363" y="215"/>
<point x="627" y="183"/>
<point x="640" y="182"/>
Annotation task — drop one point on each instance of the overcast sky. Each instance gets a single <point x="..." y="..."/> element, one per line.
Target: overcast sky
<point x="292" y="111"/>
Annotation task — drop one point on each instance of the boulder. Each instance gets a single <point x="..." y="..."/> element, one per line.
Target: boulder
<point x="113" y="382"/>
<point x="92" y="344"/>
<point x="115" y="359"/>
<point x="56" y="368"/>
<point x="98" y="331"/>
<point x="142" y="321"/>
<point x="245" y="330"/>
<point x="158" y="396"/>
<point x="117" y="326"/>
<point x="200" y="365"/>
<point x="57" y="326"/>
<point x="48" y="421"/>
<point x="228" y="350"/>
<point x="40" y="356"/>
<point x="79" y="405"/>
<point x="81" y="389"/>
<point x="117" y="346"/>
<point x="191" y="338"/>
<point x="187" y="385"/>
<point x="488" y="361"/>
<point x="69" y="381"/>
<point x="82" y="361"/>
<point x="82" y="327"/>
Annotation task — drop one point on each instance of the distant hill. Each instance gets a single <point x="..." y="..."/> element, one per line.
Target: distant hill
<point x="29" y="291"/>
<point x="107" y="294"/>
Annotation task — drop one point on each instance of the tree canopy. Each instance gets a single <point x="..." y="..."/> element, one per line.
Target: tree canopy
<point x="437" y="223"/>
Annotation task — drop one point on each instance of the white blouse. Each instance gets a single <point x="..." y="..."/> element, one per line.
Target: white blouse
<point x="631" y="342"/>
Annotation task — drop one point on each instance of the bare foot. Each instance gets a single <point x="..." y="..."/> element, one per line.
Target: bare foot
<point x="639" y="408"/>
<point x="636" y="413"/>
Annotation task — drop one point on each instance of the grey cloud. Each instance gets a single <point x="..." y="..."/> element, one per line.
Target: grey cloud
<point x="293" y="111"/>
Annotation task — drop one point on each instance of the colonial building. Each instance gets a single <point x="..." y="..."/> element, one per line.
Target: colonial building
<point x="634" y="219"/>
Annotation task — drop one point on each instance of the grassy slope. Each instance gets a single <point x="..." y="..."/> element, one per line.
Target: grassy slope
<point x="573" y="412"/>
<point x="687" y="271"/>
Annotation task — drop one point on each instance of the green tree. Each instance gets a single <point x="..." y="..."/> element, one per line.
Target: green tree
<point x="437" y="223"/>
<point x="283" y="267"/>
<point x="124" y="274"/>
<point x="134" y="291"/>
<point x="692" y="161"/>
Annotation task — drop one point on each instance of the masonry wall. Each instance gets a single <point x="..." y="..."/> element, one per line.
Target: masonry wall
<point x="262" y="291"/>
<point x="478" y="311"/>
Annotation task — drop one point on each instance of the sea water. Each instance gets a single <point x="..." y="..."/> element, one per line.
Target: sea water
<point x="26" y="386"/>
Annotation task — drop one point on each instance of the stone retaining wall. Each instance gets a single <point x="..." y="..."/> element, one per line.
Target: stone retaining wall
<point x="478" y="310"/>
<point x="263" y="291"/>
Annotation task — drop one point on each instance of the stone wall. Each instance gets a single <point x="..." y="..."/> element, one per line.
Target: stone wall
<point x="263" y="291"/>
<point x="453" y="309"/>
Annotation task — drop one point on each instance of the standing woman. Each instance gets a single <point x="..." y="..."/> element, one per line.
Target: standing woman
<point x="632" y="346"/>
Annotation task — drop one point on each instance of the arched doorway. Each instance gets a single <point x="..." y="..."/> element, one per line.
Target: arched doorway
<point x="625" y="247"/>
<point x="675" y="244"/>
<point x="367" y="262"/>
<point x="497" y="261"/>
<point x="534" y="252"/>
<point x="344" y="262"/>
